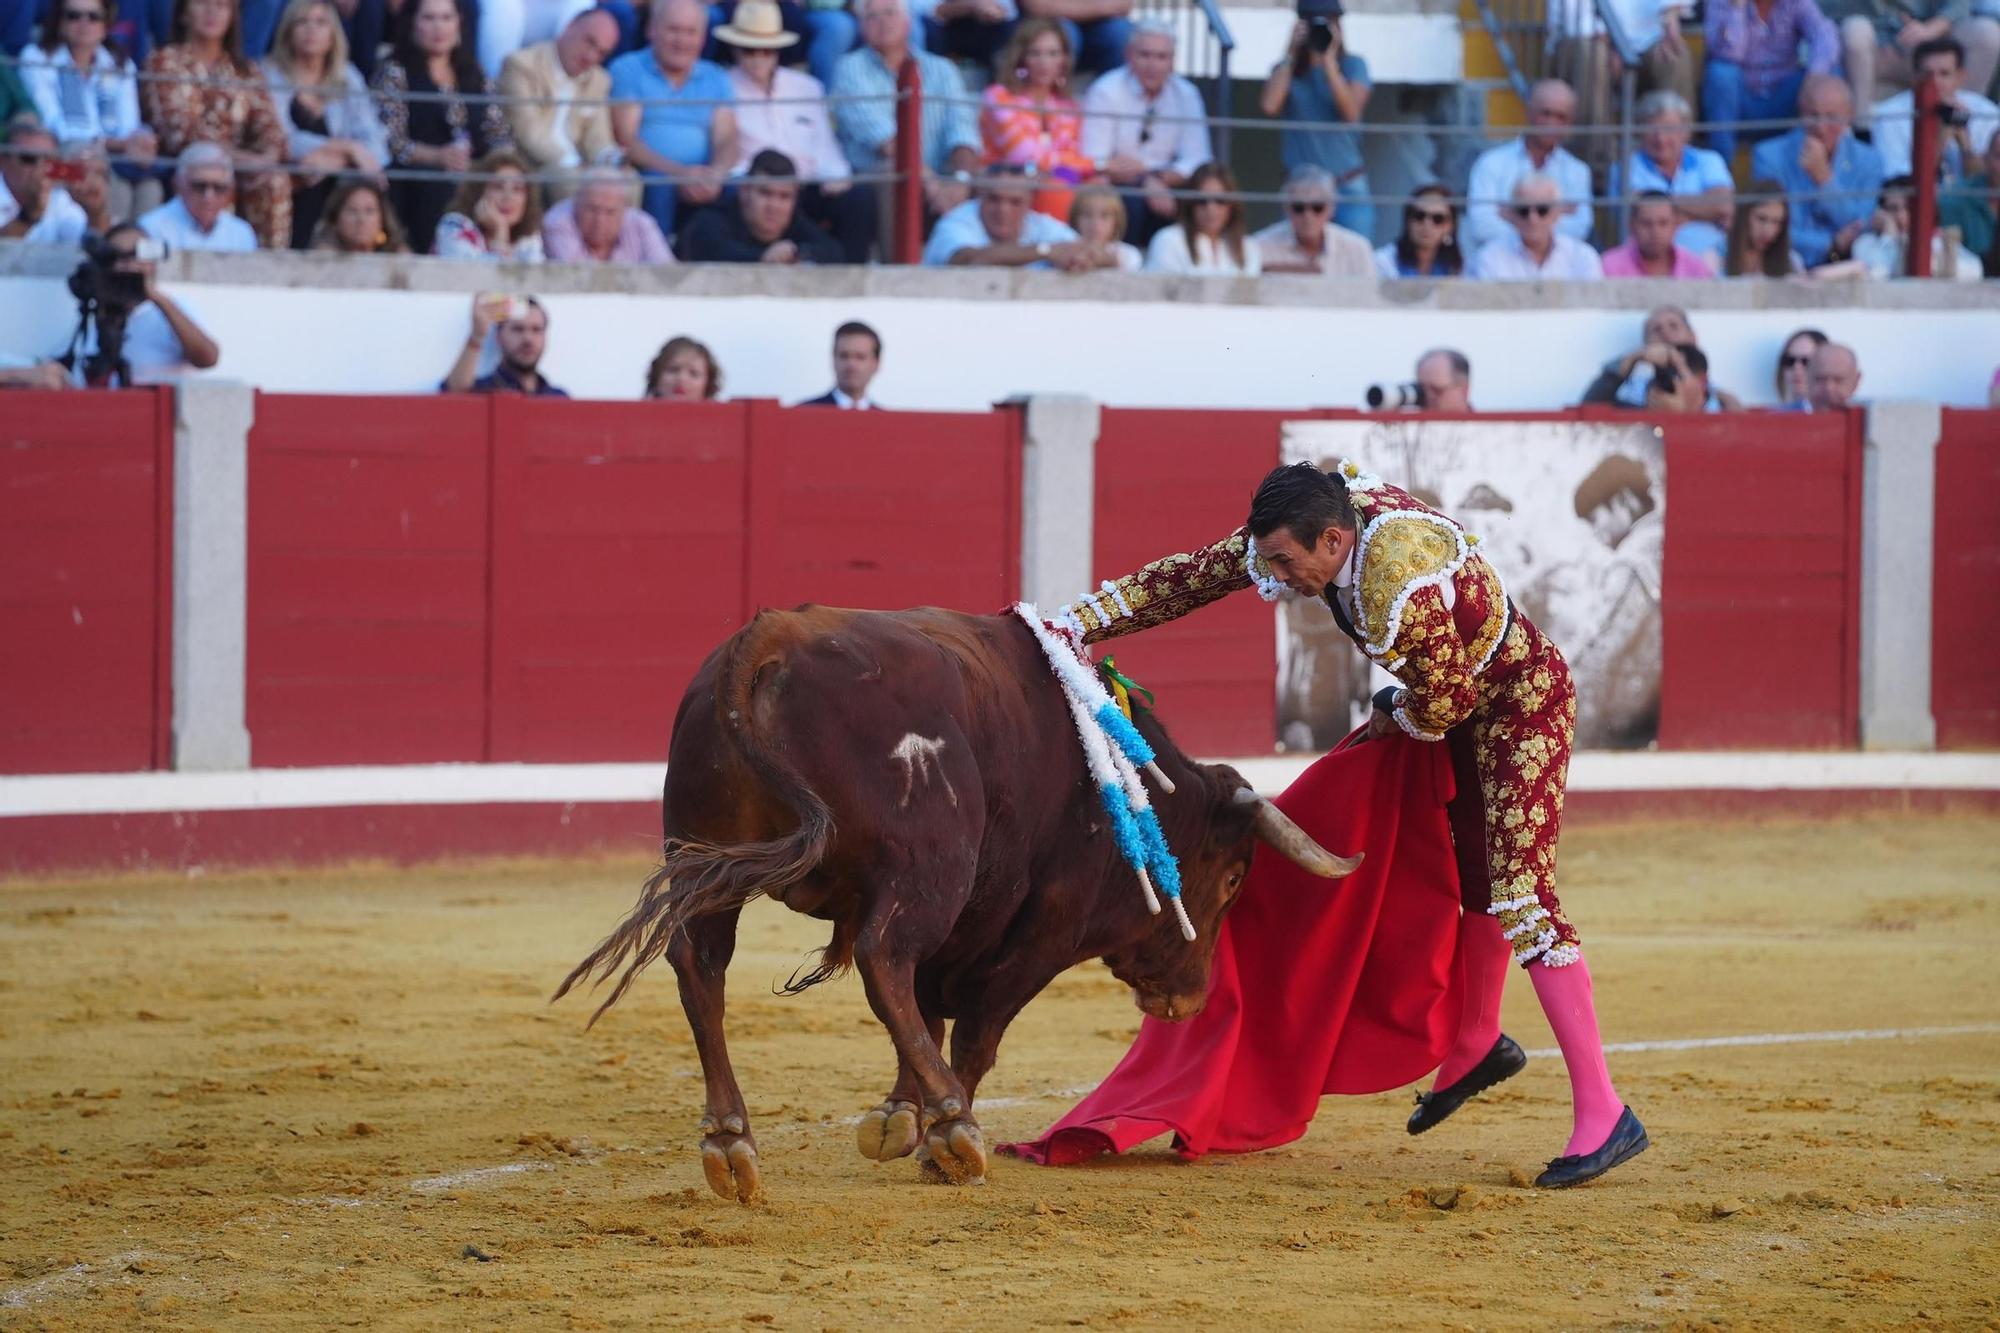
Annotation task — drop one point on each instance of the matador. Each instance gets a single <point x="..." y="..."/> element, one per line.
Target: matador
<point x="1410" y="587"/>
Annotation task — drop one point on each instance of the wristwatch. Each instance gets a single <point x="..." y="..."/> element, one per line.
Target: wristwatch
<point x="1044" y="250"/>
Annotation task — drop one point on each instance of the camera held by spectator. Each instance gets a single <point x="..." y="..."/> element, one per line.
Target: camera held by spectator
<point x="109" y="286"/>
<point x="1443" y="384"/>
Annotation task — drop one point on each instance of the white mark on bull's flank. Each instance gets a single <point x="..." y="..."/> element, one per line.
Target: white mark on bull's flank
<point x="919" y="755"/>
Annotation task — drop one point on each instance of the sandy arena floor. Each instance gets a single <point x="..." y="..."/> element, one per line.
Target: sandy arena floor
<point x="339" y="1098"/>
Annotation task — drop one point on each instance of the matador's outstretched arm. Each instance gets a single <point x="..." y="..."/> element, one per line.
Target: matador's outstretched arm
<point x="1164" y="590"/>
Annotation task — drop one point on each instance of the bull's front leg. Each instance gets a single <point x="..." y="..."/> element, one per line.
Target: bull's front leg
<point x="700" y="955"/>
<point x="892" y="1129"/>
<point x="952" y="1143"/>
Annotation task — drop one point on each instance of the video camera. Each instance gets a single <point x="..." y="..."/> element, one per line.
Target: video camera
<point x="1319" y="16"/>
<point x="107" y="291"/>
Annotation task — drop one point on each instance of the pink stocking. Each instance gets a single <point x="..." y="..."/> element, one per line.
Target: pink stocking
<point x="1565" y="997"/>
<point x="1483" y="954"/>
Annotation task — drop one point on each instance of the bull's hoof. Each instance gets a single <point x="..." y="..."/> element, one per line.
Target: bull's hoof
<point x="729" y="1160"/>
<point x="887" y="1132"/>
<point x="953" y="1153"/>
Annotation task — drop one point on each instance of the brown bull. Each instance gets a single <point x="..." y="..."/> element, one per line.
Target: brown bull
<point x="915" y="778"/>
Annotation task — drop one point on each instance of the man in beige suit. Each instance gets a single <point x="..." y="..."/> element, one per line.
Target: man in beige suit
<point x="560" y="120"/>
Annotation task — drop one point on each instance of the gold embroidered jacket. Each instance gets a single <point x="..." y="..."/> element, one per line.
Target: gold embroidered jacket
<point x="1432" y="611"/>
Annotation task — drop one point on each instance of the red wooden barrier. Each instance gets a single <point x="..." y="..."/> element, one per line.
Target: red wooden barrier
<point x="1170" y="481"/>
<point x="618" y="563"/>
<point x="367" y="581"/>
<point x="1761" y="585"/>
<point x="86" y="581"/>
<point x="1965" y="627"/>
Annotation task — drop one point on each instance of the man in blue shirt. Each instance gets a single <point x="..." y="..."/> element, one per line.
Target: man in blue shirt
<point x="1831" y="177"/>
<point x="864" y="113"/>
<point x="999" y="228"/>
<point x="671" y="113"/>
<point x="1319" y="81"/>
<point x="1704" y="192"/>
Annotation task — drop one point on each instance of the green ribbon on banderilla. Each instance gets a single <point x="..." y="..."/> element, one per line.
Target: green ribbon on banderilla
<point x="1123" y="687"/>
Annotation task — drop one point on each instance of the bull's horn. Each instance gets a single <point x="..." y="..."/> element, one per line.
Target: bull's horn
<point x="1276" y="829"/>
<point x="1165" y="784"/>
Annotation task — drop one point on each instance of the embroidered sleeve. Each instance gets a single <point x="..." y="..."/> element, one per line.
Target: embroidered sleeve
<point x="1428" y="653"/>
<point x="1165" y="590"/>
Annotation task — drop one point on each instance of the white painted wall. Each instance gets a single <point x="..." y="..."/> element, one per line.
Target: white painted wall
<point x="966" y="353"/>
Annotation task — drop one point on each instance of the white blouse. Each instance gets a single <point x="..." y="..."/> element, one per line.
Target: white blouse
<point x="1169" y="254"/>
<point x="82" y="107"/>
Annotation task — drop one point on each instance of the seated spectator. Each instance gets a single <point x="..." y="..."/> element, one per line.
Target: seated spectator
<point x="87" y="91"/>
<point x="1551" y="113"/>
<point x="1974" y="208"/>
<point x="556" y="109"/>
<point x="1146" y="129"/>
<point x="1586" y="61"/>
<point x="91" y="189"/>
<point x="1881" y="250"/>
<point x="973" y="30"/>
<point x="867" y="123"/>
<point x="682" y="133"/>
<point x="506" y="27"/>
<point x="1680" y="384"/>
<point x="1650" y="252"/>
<point x="1444" y="381"/>
<point x="827" y="29"/>
<point x="684" y="371"/>
<point x="1096" y="31"/>
<point x="201" y="89"/>
<point x="1306" y="240"/>
<point x="1830" y="177"/>
<point x="162" y="339"/>
<point x="441" y="133"/>
<point x="1028" y="119"/>
<point x="31" y="208"/>
<point x="522" y="327"/>
<point x="998" y="228"/>
<point x="1097" y="216"/>
<point x="199" y="216"/>
<point x="600" y="225"/>
<point x="1793" y="377"/>
<point x="1320" y="81"/>
<point x="1834" y="379"/>
<point x="785" y="110"/>
<point x="1428" y="246"/>
<point x="1880" y="44"/>
<point x="1209" y="239"/>
<point x="1751" y="67"/>
<point x="330" y="122"/>
<point x="1760" y="239"/>
<point x="1697" y="179"/>
<point x="1964" y="136"/>
<point x="1665" y="341"/>
<point x="1536" y="252"/>
<point x="857" y="355"/>
<point x="496" y="215"/>
<point x="764" y="226"/>
<point x="359" y="221"/>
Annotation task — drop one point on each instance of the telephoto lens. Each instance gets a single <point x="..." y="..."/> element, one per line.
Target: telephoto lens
<point x="1393" y="397"/>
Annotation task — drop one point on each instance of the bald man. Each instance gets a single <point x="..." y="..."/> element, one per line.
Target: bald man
<point x="557" y="91"/>
<point x="1834" y="378"/>
<point x="671" y="113"/>
<point x="1551" y="113"/>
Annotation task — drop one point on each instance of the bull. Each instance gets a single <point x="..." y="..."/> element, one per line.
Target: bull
<point x="915" y="779"/>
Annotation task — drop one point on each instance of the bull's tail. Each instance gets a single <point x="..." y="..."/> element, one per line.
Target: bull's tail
<point x="698" y="879"/>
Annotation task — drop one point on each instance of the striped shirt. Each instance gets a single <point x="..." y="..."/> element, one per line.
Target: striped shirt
<point x="866" y="127"/>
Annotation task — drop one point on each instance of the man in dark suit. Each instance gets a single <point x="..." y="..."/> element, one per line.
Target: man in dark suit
<point x="857" y="355"/>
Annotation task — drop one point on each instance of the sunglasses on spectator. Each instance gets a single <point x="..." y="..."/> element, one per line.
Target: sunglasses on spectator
<point x="1794" y="359"/>
<point x="1424" y="215"/>
<point x="31" y="157"/>
<point x="1310" y="206"/>
<point x="209" y="187"/>
<point x="83" y="16"/>
<point x="1211" y="201"/>
<point x="1539" y="210"/>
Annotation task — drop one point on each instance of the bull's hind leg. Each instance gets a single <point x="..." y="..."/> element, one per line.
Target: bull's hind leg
<point x="892" y="1129"/>
<point x="700" y="955"/>
<point x="952" y="1143"/>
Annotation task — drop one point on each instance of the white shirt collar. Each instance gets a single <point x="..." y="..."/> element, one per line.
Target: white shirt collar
<point x="1344" y="576"/>
<point x="846" y="404"/>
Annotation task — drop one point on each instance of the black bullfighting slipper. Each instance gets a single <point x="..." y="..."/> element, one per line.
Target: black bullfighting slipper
<point x="1505" y="1060"/>
<point x="1628" y="1140"/>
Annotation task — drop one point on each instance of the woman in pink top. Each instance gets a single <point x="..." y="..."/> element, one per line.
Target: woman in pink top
<point x="1030" y="120"/>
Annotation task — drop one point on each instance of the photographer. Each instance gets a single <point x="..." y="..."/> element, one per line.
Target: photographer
<point x="31" y="207"/>
<point x="1320" y="81"/>
<point x="130" y="332"/>
<point x="1443" y="384"/>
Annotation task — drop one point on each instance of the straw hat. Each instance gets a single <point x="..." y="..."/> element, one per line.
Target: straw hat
<point x="758" y="26"/>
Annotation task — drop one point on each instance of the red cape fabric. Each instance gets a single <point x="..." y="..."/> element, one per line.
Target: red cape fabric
<point x="1319" y="986"/>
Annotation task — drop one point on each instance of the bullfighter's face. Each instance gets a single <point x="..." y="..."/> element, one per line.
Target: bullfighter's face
<point x="1306" y="570"/>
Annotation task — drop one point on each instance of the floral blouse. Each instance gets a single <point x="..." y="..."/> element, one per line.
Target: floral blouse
<point x="187" y="101"/>
<point x="459" y="237"/>
<point x="434" y="123"/>
<point x="1046" y="135"/>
